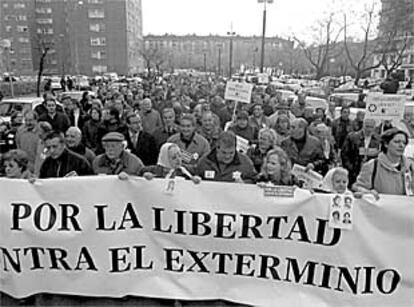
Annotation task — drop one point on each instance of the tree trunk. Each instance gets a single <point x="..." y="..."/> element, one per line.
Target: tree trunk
<point x="39" y="74"/>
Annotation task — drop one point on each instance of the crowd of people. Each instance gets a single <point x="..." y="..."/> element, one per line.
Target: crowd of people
<point x="180" y="125"/>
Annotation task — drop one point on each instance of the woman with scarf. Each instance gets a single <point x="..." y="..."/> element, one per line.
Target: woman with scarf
<point x="169" y="165"/>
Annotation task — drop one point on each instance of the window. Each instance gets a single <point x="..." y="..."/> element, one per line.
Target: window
<point x="44" y="21"/>
<point x="45" y="31"/>
<point x="99" y="68"/>
<point x="99" y="55"/>
<point x="95" y="1"/>
<point x="98" y="41"/>
<point x="22" y="17"/>
<point x="21" y="28"/>
<point x="97" y="27"/>
<point x="5" y="5"/>
<point x="44" y="10"/>
<point x="96" y="13"/>
<point x="8" y="28"/>
<point x="24" y="51"/>
<point x="19" y="5"/>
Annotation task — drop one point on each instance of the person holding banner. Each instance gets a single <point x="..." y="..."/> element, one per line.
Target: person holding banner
<point x="15" y="164"/>
<point x="336" y="181"/>
<point x="276" y="169"/>
<point x="224" y="163"/>
<point x="169" y="165"/>
<point x="391" y="172"/>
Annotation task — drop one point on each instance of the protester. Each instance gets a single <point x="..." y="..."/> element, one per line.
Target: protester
<point x="74" y="143"/>
<point x="27" y="137"/>
<point x="224" y="163"/>
<point x="60" y="161"/>
<point x="193" y="146"/>
<point x="360" y="147"/>
<point x="169" y="128"/>
<point x="242" y="128"/>
<point x="169" y="165"/>
<point x="323" y="133"/>
<point x="336" y="181"/>
<point x="151" y="119"/>
<point x="44" y="128"/>
<point x="341" y="127"/>
<point x="282" y="128"/>
<point x="116" y="159"/>
<point x="258" y="120"/>
<point x="391" y="84"/>
<point x="58" y="120"/>
<point x="113" y="123"/>
<point x="209" y="130"/>
<point x="391" y="172"/>
<point x="276" y="169"/>
<point x="139" y="142"/>
<point x="266" y="142"/>
<point x="358" y="122"/>
<point x="15" y="164"/>
<point x="90" y="128"/>
<point x="303" y="148"/>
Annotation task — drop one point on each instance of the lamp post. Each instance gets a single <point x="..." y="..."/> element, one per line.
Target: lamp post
<point x="231" y="35"/>
<point x="205" y="60"/>
<point x="263" y="32"/>
<point x="219" y="58"/>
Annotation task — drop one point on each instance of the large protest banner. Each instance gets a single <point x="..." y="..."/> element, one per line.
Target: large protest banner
<point x="100" y="236"/>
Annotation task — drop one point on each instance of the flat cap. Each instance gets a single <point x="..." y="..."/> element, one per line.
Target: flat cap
<point x="113" y="137"/>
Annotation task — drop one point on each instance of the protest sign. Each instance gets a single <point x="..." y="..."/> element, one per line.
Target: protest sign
<point x="311" y="179"/>
<point x="382" y="107"/>
<point x="103" y="237"/>
<point x="242" y="144"/>
<point x="238" y="91"/>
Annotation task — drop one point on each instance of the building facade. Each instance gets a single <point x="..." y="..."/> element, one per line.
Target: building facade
<point x="397" y="20"/>
<point x="15" y="19"/>
<point x="212" y="52"/>
<point x="85" y="37"/>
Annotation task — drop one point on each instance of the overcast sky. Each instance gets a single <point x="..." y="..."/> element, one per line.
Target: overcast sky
<point x="203" y="17"/>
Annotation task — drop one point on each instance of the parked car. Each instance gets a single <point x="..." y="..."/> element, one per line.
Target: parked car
<point x="10" y="105"/>
<point x="77" y="95"/>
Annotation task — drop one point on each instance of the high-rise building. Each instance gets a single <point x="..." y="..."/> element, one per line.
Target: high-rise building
<point x="77" y="36"/>
<point x="15" y="16"/>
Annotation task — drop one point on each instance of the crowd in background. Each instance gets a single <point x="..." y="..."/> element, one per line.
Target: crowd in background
<point x="181" y="125"/>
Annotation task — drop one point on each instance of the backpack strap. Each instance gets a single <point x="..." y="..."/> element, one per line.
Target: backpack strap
<point x="374" y="173"/>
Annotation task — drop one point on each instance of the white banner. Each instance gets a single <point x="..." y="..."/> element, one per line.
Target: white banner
<point x="385" y="107"/>
<point x="100" y="236"/>
<point x="238" y="91"/>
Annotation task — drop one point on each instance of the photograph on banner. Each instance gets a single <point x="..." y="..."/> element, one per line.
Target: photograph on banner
<point x="238" y="91"/>
<point x="242" y="144"/>
<point x="341" y="211"/>
<point x="382" y="107"/>
<point x="311" y="179"/>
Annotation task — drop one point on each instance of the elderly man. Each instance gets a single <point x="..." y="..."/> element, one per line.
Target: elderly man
<point x="209" y="130"/>
<point x="360" y="147"/>
<point x="27" y="137"/>
<point x="151" y="119"/>
<point x="193" y="146"/>
<point x="341" y="127"/>
<point x="224" y="163"/>
<point x="141" y="143"/>
<point x="303" y="148"/>
<point x="60" y="161"/>
<point x="74" y="143"/>
<point x="116" y="159"/>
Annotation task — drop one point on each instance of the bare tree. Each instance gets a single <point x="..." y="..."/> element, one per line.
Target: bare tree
<point x="393" y="50"/>
<point x="153" y="57"/>
<point x="319" y="53"/>
<point x="43" y="47"/>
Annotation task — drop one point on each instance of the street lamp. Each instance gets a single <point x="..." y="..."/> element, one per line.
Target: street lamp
<point x="219" y="45"/>
<point x="263" y="32"/>
<point x="231" y="34"/>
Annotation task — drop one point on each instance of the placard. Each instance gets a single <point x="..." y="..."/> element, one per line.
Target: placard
<point x="238" y="91"/>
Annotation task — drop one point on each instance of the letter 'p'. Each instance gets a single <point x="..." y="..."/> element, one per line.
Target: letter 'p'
<point x="20" y="211"/>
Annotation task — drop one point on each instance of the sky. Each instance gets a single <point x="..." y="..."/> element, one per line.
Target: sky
<point x="203" y="17"/>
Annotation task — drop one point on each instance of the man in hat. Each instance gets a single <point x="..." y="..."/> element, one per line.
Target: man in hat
<point x="60" y="161"/>
<point x="116" y="159"/>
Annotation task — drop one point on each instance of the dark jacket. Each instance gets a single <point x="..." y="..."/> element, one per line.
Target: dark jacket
<point x="128" y="163"/>
<point x="353" y="152"/>
<point x="145" y="149"/>
<point x="66" y="163"/>
<point x="249" y="133"/>
<point x="90" y="134"/>
<point x="208" y="168"/>
<point x="340" y="130"/>
<point x="161" y="135"/>
<point x="257" y="156"/>
<point x="312" y="152"/>
<point x="60" y="122"/>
